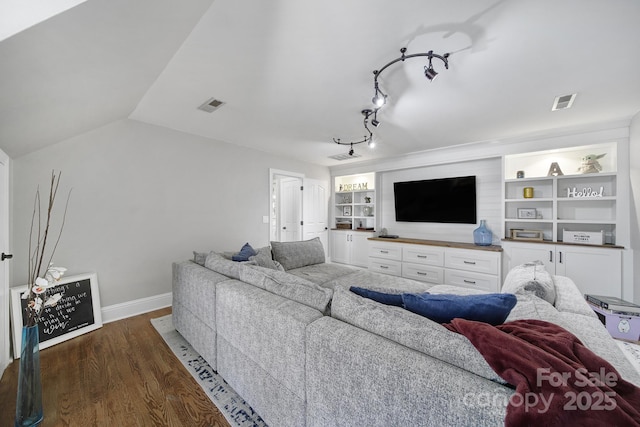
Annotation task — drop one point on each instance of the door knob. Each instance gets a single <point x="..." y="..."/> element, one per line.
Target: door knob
<point x="284" y="228"/>
<point x="5" y="256"/>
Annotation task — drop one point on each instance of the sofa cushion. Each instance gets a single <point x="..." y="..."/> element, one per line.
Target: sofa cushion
<point x="533" y="278"/>
<point x="264" y="258"/>
<point x="245" y="252"/>
<point x="298" y="254"/>
<point x="410" y="330"/>
<point x="442" y="308"/>
<point x="381" y="297"/>
<point x="288" y="286"/>
<point x="222" y="265"/>
<point x="321" y="274"/>
<point x="200" y="257"/>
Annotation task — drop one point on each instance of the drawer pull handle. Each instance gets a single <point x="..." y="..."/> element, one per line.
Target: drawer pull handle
<point x="472" y="282"/>
<point x="420" y="273"/>
<point x="384" y="252"/>
<point x="422" y="256"/>
<point x="384" y="266"/>
<point x="470" y="262"/>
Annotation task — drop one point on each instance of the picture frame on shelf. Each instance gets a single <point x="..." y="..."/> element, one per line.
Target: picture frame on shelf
<point x="527" y="213"/>
<point x="346" y="210"/>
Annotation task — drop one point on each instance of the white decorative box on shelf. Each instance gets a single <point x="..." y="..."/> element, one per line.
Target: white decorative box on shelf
<point x="584" y="237"/>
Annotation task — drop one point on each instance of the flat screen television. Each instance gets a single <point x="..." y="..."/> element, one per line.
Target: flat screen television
<point x="444" y="200"/>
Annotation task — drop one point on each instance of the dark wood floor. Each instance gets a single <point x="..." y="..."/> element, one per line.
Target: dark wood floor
<point x="122" y="374"/>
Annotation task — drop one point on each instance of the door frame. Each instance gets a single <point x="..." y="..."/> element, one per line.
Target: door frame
<point x="273" y="220"/>
<point x="5" y="344"/>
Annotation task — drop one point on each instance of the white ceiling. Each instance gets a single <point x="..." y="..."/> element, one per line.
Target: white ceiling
<point x="294" y="75"/>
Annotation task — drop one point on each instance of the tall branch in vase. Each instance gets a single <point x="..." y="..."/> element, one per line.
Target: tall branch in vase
<point x="38" y="283"/>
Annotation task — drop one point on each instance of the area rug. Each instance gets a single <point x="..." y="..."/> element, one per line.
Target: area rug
<point x="236" y="411"/>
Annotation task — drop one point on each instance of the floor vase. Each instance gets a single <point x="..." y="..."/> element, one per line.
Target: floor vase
<point x="29" y="400"/>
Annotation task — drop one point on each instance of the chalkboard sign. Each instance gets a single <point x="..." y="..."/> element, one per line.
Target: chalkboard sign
<point x="76" y="313"/>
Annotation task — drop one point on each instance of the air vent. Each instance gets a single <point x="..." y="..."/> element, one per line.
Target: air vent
<point x="344" y="156"/>
<point x="563" y="102"/>
<point x="211" y="105"/>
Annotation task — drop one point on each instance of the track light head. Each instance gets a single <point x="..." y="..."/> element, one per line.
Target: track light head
<point x="430" y="73"/>
<point x="351" y="151"/>
<point x="375" y="123"/>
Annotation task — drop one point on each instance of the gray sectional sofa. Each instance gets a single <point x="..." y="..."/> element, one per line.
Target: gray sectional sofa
<point x="287" y="334"/>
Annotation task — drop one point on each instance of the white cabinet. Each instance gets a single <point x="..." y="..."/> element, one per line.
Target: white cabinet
<point x="438" y="262"/>
<point x="594" y="269"/>
<point x="350" y="247"/>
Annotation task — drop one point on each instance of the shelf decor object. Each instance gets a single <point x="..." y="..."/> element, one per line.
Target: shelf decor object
<point x="526" y="235"/>
<point x="527" y="192"/>
<point x="527" y="213"/>
<point x="584" y="237"/>
<point x="482" y="236"/>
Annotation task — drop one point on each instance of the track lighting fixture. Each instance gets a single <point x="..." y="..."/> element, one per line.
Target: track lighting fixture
<point x="367" y="138"/>
<point x="380" y="98"/>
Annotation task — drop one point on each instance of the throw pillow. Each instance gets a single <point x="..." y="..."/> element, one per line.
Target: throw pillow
<point x="298" y="254"/>
<point x="244" y="254"/>
<point x="200" y="257"/>
<point x="531" y="278"/>
<point x="263" y="258"/>
<point x="381" y="297"/>
<point x="442" y="308"/>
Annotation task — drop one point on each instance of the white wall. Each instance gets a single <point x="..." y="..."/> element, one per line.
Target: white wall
<point x="488" y="181"/>
<point x="634" y="175"/>
<point x="144" y="196"/>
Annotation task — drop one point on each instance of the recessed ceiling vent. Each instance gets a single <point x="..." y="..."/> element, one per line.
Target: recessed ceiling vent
<point x="563" y="102"/>
<point x="211" y="105"/>
<point x="345" y="156"/>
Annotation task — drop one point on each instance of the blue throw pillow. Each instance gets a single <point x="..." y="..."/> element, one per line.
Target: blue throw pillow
<point x="442" y="308"/>
<point x="381" y="297"/>
<point x="244" y="254"/>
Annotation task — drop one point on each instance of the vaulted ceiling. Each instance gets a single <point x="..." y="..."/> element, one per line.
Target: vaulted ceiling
<point x="294" y="75"/>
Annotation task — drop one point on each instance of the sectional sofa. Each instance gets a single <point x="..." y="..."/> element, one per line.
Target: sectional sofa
<point x="284" y="330"/>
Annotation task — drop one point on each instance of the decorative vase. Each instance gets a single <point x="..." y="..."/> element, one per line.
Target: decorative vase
<point x="29" y="400"/>
<point x="482" y="236"/>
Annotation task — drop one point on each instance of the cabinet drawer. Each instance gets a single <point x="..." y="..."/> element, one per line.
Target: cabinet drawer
<point x="423" y="255"/>
<point x="483" y="282"/>
<point x="385" y="266"/>
<point x="424" y="273"/>
<point x="388" y="251"/>
<point x="471" y="260"/>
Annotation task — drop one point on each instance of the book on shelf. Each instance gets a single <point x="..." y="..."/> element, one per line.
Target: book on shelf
<point x="614" y="304"/>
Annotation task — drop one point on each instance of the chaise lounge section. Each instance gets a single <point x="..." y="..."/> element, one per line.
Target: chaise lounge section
<point x="303" y="350"/>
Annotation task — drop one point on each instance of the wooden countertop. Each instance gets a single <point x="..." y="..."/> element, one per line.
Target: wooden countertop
<point x="461" y="245"/>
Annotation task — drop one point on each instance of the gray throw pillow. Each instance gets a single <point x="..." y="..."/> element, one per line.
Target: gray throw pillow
<point x="263" y="258"/>
<point x="531" y="278"/>
<point x="298" y="254"/>
<point x="200" y="257"/>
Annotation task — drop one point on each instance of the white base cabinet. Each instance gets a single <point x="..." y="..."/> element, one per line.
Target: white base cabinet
<point x="438" y="262"/>
<point x="350" y="247"/>
<point x="595" y="270"/>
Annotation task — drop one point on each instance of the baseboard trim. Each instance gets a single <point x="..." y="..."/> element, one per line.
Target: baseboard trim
<point x="123" y="310"/>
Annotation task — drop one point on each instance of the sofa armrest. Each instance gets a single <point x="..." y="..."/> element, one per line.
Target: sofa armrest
<point x="569" y="298"/>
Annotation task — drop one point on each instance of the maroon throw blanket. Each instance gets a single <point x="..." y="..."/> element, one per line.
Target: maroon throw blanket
<point x="559" y="382"/>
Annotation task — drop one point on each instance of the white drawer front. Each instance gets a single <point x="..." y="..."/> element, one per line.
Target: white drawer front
<point x="423" y="255"/>
<point x="483" y="282"/>
<point x="385" y="266"/>
<point x="470" y="260"/>
<point x="388" y="251"/>
<point x="424" y="273"/>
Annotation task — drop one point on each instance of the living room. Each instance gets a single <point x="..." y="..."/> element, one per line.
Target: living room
<point x="149" y="189"/>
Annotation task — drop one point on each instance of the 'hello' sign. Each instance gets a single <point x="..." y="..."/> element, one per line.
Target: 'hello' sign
<point x="585" y="192"/>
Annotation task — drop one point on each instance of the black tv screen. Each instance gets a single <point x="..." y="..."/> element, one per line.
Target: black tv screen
<point x="445" y="200"/>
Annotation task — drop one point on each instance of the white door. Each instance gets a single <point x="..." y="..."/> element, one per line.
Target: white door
<point x="290" y="209"/>
<point x="4" y="265"/>
<point x="315" y="209"/>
